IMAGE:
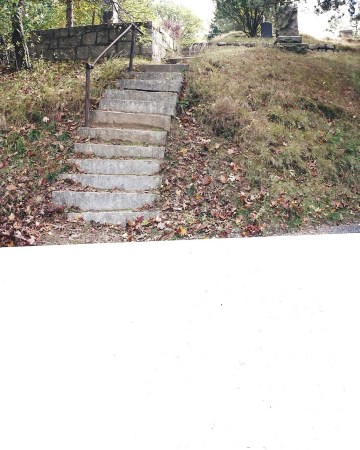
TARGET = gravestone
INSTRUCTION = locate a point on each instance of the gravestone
(287, 20)
(266, 30)
(287, 29)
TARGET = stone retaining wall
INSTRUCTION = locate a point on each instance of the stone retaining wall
(87, 42)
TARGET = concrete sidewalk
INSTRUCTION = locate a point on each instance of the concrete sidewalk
(218, 344)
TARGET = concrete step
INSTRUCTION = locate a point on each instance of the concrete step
(121, 182)
(103, 201)
(113, 217)
(124, 135)
(134, 106)
(141, 96)
(163, 67)
(159, 76)
(120, 151)
(180, 59)
(151, 85)
(122, 119)
(118, 166)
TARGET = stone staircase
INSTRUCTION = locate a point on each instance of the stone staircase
(119, 158)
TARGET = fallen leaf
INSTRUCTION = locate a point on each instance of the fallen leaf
(223, 179)
(181, 231)
(11, 187)
(206, 181)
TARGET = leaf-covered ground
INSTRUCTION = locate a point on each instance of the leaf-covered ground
(257, 149)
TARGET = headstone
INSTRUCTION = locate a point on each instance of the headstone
(266, 30)
(287, 20)
(287, 32)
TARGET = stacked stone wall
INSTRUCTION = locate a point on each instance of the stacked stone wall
(86, 43)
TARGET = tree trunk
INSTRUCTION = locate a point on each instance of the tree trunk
(22, 56)
(69, 13)
(110, 11)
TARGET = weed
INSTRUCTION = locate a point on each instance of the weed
(33, 135)
(63, 137)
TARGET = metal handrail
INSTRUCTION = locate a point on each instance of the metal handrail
(90, 66)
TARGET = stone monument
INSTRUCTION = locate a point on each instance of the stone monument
(266, 30)
(287, 30)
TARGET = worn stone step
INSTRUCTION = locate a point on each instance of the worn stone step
(121, 182)
(118, 166)
(103, 201)
(114, 118)
(124, 135)
(120, 151)
(159, 76)
(113, 217)
(134, 106)
(163, 67)
(180, 59)
(150, 85)
(141, 96)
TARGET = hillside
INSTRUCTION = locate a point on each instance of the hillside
(265, 143)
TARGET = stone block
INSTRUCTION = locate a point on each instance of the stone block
(136, 106)
(121, 119)
(119, 151)
(115, 32)
(98, 49)
(54, 44)
(132, 183)
(48, 54)
(296, 48)
(113, 217)
(65, 54)
(102, 38)
(62, 32)
(103, 201)
(124, 135)
(89, 38)
(82, 53)
(289, 40)
(70, 42)
(77, 31)
(118, 166)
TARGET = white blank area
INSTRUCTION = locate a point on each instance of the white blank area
(199, 345)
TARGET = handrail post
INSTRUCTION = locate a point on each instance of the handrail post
(89, 67)
(132, 49)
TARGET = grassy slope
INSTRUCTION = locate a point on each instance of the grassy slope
(293, 124)
(267, 142)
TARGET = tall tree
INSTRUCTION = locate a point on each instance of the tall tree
(247, 15)
(22, 56)
(69, 13)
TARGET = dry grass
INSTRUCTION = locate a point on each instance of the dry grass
(294, 121)
(52, 88)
